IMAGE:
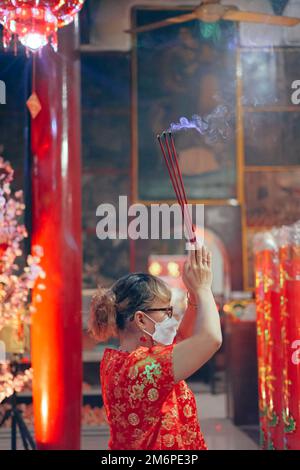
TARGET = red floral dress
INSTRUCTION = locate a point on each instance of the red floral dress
(145, 408)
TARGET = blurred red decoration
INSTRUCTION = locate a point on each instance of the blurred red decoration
(277, 268)
(34, 105)
(35, 22)
(3, 248)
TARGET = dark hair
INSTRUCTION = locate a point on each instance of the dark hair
(112, 308)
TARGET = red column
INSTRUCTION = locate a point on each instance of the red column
(269, 343)
(292, 418)
(56, 226)
(260, 262)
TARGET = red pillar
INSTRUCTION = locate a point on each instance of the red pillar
(56, 226)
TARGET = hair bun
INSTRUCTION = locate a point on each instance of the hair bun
(102, 323)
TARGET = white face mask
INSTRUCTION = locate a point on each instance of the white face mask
(165, 331)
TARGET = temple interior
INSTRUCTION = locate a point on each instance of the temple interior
(88, 101)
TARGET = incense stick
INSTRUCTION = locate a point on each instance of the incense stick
(170, 156)
(170, 173)
(180, 178)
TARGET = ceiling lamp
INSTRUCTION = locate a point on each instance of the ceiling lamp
(35, 22)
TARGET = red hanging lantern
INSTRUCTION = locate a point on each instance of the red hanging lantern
(35, 22)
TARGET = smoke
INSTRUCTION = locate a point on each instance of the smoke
(214, 126)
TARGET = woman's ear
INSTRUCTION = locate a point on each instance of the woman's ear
(139, 318)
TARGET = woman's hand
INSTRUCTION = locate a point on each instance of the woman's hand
(197, 272)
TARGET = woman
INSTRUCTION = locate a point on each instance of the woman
(148, 404)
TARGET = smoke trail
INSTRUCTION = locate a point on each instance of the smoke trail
(213, 126)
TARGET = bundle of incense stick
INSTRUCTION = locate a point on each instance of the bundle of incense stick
(167, 145)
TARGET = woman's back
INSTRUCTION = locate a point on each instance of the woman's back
(145, 408)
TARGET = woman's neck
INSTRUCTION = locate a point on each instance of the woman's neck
(131, 343)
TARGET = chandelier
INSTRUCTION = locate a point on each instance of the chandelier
(35, 22)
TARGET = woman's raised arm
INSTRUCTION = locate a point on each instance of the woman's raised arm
(190, 354)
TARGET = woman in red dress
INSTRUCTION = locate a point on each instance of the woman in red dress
(147, 401)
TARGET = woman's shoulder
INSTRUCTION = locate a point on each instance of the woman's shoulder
(160, 353)
(111, 360)
(110, 354)
(155, 351)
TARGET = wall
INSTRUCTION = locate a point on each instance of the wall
(112, 18)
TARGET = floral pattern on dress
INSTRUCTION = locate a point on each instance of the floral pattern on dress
(145, 408)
